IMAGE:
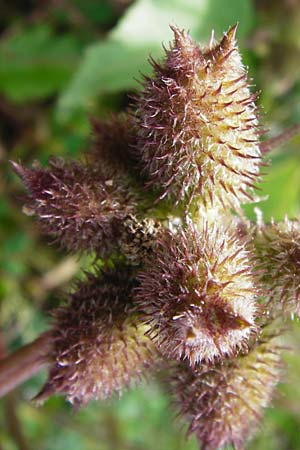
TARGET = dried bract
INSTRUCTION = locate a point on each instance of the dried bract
(138, 238)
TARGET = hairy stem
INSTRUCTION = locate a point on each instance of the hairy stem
(23, 364)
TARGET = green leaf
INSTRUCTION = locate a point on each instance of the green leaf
(281, 186)
(35, 64)
(95, 13)
(113, 64)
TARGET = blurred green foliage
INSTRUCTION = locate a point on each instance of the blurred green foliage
(60, 62)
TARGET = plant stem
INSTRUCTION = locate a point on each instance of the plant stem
(13, 424)
(23, 364)
(271, 143)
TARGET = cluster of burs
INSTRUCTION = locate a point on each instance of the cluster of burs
(182, 283)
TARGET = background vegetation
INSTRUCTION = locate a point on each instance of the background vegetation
(62, 61)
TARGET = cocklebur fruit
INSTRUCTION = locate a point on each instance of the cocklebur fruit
(98, 345)
(198, 294)
(196, 125)
(278, 251)
(112, 140)
(79, 206)
(224, 403)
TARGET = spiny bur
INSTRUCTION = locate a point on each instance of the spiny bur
(113, 140)
(197, 129)
(224, 403)
(98, 346)
(80, 207)
(278, 251)
(198, 294)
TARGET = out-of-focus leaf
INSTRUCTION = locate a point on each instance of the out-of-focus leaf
(153, 421)
(113, 64)
(95, 14)
(281, 186)
(34, 63)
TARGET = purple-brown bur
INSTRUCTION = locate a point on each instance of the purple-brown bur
(198, 294)
(80, 206)
(98, 344)
(197, 130)
(112, 142)
(224, 403)
(278, 251)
